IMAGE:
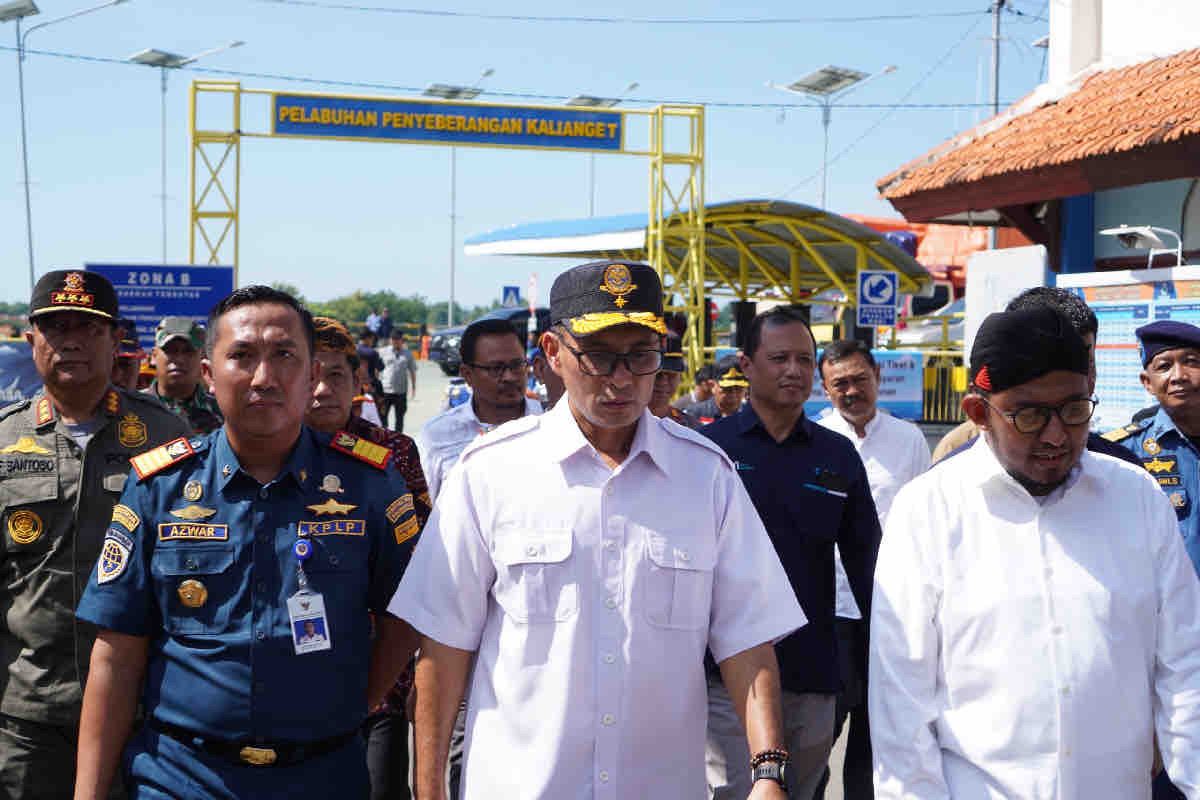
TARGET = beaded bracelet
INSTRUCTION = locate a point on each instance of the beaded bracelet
(780, 756)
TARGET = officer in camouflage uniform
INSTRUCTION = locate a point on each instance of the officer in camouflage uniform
(64, 456)
(178, 352)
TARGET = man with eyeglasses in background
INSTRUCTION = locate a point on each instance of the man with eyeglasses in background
(493, 365)
(1035, 620)
(583, 561)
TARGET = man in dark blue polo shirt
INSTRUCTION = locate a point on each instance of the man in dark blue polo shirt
(810, 488)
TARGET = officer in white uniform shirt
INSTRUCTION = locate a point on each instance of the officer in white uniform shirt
(584, 560)
(894, 452)
(494, 365)
(1035, 621)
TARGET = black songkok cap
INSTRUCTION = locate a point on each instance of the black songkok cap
(73, 290)
(1015, 347)
(1166, 334)
(592, 297)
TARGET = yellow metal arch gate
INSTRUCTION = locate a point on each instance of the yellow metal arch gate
(674, 145)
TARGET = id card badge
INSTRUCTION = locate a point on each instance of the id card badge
(310, 626)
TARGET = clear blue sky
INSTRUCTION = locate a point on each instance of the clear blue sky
(332, 217)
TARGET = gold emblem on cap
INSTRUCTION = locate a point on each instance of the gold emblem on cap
(24, 526)
(192, 593)
(331, 484)
(131, 431)
(618, 282)
(192, 491)
(1151, 446)
(73, 282)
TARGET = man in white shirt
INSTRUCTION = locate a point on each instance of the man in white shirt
(1036, 620)
(399, 379)
(584, 561)
(494, 366)
(894, 452)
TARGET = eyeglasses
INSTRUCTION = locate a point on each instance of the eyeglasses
(496, 371)
(1033, 419)
(602, 362)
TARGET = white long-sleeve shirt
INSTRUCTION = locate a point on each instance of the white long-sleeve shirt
(894, 452)
(1026, 649)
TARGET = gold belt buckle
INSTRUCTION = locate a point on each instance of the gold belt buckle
(257, 756)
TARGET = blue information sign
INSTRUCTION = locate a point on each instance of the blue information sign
(901, 386)
(146, 294)
(511, 296)
(336, 117)
(878, 293)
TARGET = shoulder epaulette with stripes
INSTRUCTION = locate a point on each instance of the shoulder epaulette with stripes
(374, 454)
(158, 459)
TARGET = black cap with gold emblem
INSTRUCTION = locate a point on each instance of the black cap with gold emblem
(599, 295)
(73, 290)
(672, 360)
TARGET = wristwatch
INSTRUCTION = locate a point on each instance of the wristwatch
(771, 771)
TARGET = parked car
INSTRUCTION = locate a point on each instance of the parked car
(443, 344)
(927, 330)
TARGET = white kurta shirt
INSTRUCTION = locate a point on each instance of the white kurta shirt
(443, 438)
(894, 452)
(590, 595)
(1032, 650)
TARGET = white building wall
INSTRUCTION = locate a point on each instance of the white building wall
(1116, 32)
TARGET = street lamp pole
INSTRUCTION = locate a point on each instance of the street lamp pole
(452, 92)
(591, 101)
(165, 61)
(828, 85)
(17, 11)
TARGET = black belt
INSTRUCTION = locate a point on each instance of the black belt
(257, 754)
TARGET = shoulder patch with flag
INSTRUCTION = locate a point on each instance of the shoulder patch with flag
(376, 455)
(158, 459)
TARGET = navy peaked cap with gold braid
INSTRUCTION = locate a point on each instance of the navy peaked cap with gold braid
(591, 297)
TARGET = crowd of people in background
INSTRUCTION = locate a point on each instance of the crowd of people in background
(576, 581)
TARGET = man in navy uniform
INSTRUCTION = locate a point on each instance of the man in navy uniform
(1166, 442)
(220, 548)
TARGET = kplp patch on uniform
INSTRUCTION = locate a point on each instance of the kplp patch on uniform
(114, 556)
(170, 531)
(333, 527)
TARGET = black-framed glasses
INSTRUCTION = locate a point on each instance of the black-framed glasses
(1033, 419)
(603, 362)
(517, 366)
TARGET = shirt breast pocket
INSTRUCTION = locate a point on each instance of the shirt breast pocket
(197, 589)
(30, 514)
(677, 581)
(535, 574)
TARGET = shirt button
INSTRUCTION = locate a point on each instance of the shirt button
(1057, 630)
(610, 545)
(261, 635)
(683, 556)
(190, 563)
(609, 491)
(609, 658)
(532, 550)
(263, 493)
(1066, 691)
(604, 776)
(262, 586)
(608, 719)
(610, 602)
(333, 561)
(1049, 571)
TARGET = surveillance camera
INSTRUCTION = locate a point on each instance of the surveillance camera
(1128, 240)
